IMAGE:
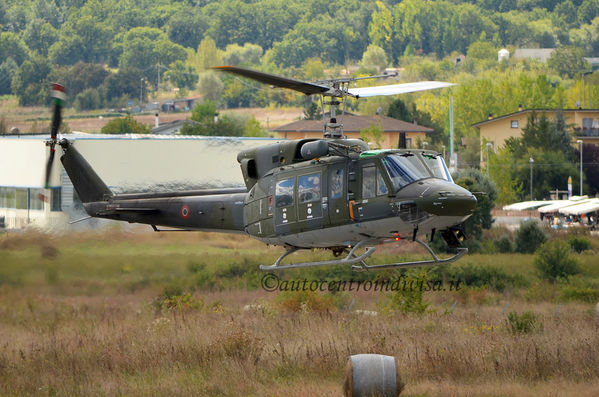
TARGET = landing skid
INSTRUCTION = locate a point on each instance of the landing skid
(352, 258)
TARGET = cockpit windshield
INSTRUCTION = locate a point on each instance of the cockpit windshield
(404, 169)
(436, 164)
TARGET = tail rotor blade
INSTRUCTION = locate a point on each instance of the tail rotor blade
(58, 93)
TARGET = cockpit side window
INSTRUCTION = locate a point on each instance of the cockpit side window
(437, 166)
(404, 169)
(284, 193)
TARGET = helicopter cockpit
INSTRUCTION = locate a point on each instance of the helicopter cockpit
(405, 168)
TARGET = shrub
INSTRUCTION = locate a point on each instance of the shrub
(525, 323)
(571, 293)
(410, 297)
(125, 125)
(503, 244)
(579, 244)
(305, 301)
(173, 298)
(529, 237)
(486, 276)
(554, 260)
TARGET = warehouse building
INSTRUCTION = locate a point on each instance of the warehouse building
(126, 163)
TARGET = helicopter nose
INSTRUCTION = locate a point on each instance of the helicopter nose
(447, 199)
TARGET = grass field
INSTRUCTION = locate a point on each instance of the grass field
(140, 313)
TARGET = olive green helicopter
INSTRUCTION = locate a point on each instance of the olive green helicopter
(332, 193)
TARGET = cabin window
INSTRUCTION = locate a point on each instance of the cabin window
(308, 188)
(368, 181)
(284, 193)
(336, 184)
(514, 123)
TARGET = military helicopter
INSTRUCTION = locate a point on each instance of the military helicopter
(331, 193)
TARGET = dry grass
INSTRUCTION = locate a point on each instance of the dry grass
(59, 338)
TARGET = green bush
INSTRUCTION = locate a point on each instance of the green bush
(525, 323)
(554, 260)
(579, 244)
(529, 237)
(125, 125)
(486, 276)
(571, 293)
(410, 297)
(503, 244)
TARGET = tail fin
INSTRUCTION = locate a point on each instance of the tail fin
(87, 183)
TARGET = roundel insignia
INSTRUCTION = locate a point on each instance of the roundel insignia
(185, 212)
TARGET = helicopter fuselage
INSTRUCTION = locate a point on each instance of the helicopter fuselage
(333, 201)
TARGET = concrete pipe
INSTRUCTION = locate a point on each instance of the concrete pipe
(370, 375)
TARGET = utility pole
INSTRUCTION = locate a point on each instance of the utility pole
(451, 164)
(489, 144)
(579, 141)
(531, 161)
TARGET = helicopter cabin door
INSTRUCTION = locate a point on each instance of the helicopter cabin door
(285, 208)
(374, 202)
(337, 199)
(310, 200)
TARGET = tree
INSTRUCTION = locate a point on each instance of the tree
(124, 83)
(146, 47)
(568, 61)
(249, 54)
(82, 39)
(182, 75)
(380, 29)
(253, 128)
(187, 28)
(475, 181)
(87, 99)
(11, 46)
(204, 112)
(554, 261)
(375, 56)
(373, 135)
(40, 36)
(207, 55)
(30, 81)
(210, 85)
(125, 125)
(8, 68)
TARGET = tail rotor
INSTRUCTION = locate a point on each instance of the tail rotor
(59, 96)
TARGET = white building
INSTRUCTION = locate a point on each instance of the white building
(126, 163)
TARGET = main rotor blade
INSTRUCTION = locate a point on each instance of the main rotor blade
(276, 80)
(397, 88)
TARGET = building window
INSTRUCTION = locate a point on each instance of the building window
(22, 199)
(408, 143)
(56, 199)
(514, 123)
(7, 197)
(36, 199)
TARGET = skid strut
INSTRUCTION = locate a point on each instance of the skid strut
(352, 259)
